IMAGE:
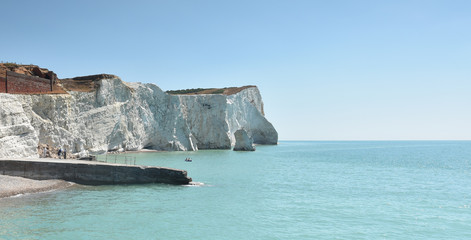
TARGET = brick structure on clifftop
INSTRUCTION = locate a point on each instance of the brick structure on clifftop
(20, 83)
(27, 79)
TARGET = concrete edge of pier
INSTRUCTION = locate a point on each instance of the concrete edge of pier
(91, 172)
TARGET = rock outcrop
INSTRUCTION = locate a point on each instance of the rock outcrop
(17, 137)
(243, 142)
(119, 116)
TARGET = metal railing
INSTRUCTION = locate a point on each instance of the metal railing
(127, 160)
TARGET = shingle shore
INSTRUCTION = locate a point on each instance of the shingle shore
(11, 186)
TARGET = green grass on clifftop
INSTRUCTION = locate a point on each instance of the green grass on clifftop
(194, 91)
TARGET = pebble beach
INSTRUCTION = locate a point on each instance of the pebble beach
(12, 186)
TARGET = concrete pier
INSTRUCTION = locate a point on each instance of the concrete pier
(90, 173)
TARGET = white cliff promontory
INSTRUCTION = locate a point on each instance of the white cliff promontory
(130, 116)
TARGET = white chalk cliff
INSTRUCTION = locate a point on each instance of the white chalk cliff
(17, 136)
(129, 116)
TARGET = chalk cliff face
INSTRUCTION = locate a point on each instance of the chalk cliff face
(17, 136)
(132, 116)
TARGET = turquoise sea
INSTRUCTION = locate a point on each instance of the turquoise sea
(295, 190)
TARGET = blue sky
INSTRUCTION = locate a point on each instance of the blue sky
(327, 70)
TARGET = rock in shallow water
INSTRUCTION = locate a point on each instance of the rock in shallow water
(243, 142)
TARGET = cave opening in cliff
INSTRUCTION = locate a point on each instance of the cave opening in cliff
(149, 146)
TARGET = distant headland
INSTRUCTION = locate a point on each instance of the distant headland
(101, 113)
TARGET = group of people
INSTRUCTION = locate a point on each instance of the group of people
(62, 152)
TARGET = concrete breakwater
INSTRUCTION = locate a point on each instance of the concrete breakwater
(91, 173)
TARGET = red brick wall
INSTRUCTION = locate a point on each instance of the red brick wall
(19, 83)
(2, 85)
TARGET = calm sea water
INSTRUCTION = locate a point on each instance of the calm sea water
(296, 190)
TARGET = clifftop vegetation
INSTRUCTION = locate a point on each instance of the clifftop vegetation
(89, 83)
(30, 70)
(196, 91)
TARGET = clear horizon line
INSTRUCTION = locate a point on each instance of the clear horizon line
(364, 140)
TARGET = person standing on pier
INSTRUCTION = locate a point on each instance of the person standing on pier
(65, 153)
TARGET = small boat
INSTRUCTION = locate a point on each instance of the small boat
(188, 160)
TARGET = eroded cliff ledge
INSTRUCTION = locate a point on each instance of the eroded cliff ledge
(111, 115)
